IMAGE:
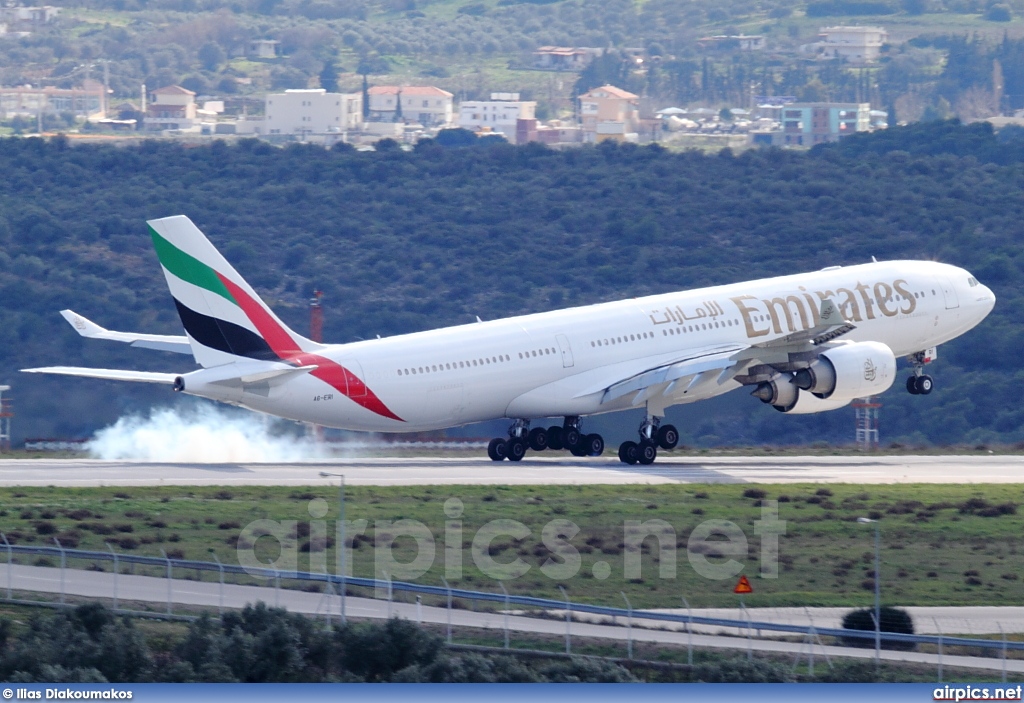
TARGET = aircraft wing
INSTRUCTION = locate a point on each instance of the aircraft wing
(722, 362)
(162, 342)
(831, 325)
(714, 366)
(109, 374)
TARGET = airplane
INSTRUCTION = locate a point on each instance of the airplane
(804, 343)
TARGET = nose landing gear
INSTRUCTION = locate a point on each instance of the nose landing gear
(921, 383)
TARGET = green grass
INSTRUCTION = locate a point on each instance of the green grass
(933, 551)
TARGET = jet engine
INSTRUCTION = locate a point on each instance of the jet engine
(848, 371)
(808, 404)
(780, 392)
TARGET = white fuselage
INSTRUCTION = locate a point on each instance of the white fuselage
(559, 363)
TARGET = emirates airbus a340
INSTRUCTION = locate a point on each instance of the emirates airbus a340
(804, 343)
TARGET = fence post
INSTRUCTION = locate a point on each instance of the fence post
(63, 564)
(277, 588)
(568, 620)
(220, 602)
(750, 627)
(629, 626)
(169, 584)
(10, 567)
(503, 590)
(116, 569)
(419, 609)
(449, 610)
(689, 632)
(1002, 633)
(939, 630)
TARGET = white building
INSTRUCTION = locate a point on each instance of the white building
(312, 111)
(427, 105)
(856, 44)
(499, 114)
(171, 107)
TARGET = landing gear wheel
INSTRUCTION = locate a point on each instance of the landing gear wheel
(497, 449)
(571, 439)
(912, 385)
(516, 449)
(668, 437)
(925, 384)
(556, 439)
(646, 453)
(628, 453)
(594, 445)
(538, 439)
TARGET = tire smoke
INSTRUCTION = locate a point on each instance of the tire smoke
(201, 434)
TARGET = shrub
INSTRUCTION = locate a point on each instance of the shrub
(892, 619)
(739, 670)
(755, 493)
(45, 527)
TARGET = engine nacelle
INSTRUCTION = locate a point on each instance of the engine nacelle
(849, 371)
(808, 404)
(780, 392)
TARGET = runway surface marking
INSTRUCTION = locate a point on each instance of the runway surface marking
(535, 470)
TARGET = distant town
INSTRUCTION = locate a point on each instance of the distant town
(407, 113)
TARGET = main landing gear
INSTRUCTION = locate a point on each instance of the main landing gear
(652, 435)
(920, 383)
(521, 438)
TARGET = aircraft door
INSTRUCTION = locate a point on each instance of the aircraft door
(949, 293)
(563, 345)
(354, 378)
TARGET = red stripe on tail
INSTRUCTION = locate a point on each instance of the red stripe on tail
(282, 343)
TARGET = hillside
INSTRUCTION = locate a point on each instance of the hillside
(404, 241)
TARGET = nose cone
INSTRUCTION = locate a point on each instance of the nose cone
(985, 300)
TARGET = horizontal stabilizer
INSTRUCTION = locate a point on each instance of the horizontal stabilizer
(162, 342)
(278, 374)
(108, 374)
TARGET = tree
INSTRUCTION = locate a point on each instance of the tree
(211, 56)
(329, 77)
(366, 98)
(398, 106)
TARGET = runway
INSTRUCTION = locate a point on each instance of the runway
(539, 470)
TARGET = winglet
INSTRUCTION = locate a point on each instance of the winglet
(831, 323)
(830, 314)
(84, 327)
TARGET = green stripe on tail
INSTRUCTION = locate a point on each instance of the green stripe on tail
(188, 268)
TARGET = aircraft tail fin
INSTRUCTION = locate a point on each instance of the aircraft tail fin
(224, 318)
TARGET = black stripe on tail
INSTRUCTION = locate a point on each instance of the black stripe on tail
(223, 335)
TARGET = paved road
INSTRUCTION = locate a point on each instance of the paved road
(195, 593)
(964, 621)
(543, 469)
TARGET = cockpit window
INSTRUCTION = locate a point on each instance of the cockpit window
(972, 281)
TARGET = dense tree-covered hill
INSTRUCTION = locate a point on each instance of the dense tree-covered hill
(403, 241)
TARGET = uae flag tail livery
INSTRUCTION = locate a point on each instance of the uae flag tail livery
(224, 318)
(246, 352)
